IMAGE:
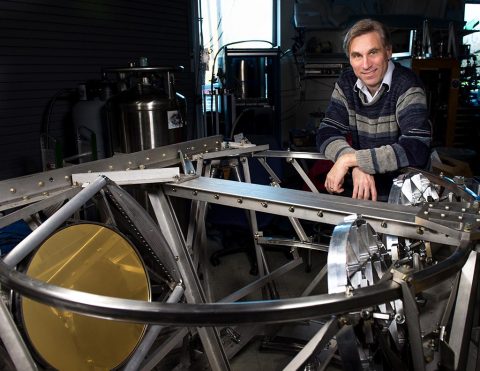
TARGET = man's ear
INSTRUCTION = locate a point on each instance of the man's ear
(389, 52)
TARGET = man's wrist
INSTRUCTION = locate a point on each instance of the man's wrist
(348, 160)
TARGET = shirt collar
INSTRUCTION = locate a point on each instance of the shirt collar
(387, 80)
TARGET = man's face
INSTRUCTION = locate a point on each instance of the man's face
(369, 59)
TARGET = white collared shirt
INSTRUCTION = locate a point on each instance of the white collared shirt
(387, 80)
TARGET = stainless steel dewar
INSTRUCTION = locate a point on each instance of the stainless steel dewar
(149, 113)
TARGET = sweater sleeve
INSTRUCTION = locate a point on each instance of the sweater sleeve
(331, 134)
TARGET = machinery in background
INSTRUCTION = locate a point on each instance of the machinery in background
(130, 109)
(148, 112)
(245, 94)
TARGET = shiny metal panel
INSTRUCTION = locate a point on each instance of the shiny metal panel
(385, 218)
(89, 258)
(25, 190)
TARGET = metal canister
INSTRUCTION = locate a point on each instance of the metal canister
(149, 114)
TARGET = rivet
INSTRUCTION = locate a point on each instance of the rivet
(264, 204)
(40, 184)
(174, 190)
(291, 209)
(442, 215)
(383, 224)
(147, 158)
(460, 217)
(195, 193)
(141, 167)
(239, 200)
(419, 230)
(110, 167)
(216, 197)
(13, 190)
(447, 207)
(320, 213)
(425, 212)
(463, 210)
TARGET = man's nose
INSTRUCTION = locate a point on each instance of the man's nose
(366, 62)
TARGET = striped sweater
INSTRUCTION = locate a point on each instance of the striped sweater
(387, 134)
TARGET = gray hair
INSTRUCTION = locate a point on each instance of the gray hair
(363, 27)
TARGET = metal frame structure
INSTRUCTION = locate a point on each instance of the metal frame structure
(454, 224)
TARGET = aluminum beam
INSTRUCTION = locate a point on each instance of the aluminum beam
(399, 220)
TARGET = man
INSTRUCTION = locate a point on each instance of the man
(376, 122)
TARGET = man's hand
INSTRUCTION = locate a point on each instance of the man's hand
(336, 175)
(363, 185)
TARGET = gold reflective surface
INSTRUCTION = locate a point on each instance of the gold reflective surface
(95, 259)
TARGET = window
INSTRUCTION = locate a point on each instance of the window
(472, 23)
(236, 23)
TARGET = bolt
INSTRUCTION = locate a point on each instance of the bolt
(447, 207)
(442, 215)
(195, 193)
(419, 230)
(383, 224)
(110, 167)
(67, 177)
(463, 210)
(141, 167)
(264, 204)
(13, 190)
(40, 184)
(425, 212)
(45, 193)
(177, 258)
(320, 213)
(216, 196)
(291, 209)
(400, 318)
(460, 217)
(468, 227)
(147, 158)
(239, 201)
(174, 190)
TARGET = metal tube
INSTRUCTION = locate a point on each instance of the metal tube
(51, 224)
(13, 342)
(152, 333)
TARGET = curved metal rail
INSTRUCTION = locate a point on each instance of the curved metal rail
(273, 311)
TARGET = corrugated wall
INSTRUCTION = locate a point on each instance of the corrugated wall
(48, 47)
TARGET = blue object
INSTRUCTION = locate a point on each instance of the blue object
(12, 234)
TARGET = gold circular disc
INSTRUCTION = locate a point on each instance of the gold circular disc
(95, 259)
